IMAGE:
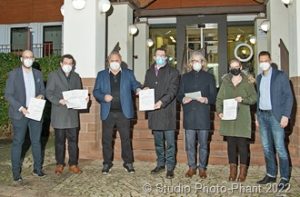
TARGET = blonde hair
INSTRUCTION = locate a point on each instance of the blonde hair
(189, 66)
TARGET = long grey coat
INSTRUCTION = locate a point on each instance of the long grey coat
(165, 85)
(61, 116)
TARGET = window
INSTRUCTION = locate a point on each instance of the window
(52, 43)
(20, 40)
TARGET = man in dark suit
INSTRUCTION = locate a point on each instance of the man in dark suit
(64, 120)
(164, 79)
(196, 112)
(23, 84)
(113, 90)
(274, 106)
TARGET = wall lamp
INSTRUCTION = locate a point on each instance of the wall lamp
(265, 26)
(62, 10)
(287, 2)
(132, 29)
(104, 5)
(78, 4)
(149, 42)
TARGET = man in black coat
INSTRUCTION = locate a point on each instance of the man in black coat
(162, 121)
(196, 112)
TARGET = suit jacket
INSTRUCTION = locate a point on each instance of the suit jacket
(281, 94)
(15, 92)
(165, 84)
(196, 114)
(61, 116)
(102, 87)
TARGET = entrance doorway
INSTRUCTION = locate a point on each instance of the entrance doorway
(207, 34)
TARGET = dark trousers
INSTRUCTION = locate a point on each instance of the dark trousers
(238, 147)
(20, 128)
(60, 145)
(123, 126)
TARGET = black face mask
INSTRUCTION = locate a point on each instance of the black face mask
(235, 71)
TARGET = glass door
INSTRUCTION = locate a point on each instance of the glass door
(207, 34)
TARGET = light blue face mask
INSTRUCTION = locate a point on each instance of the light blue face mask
(160, 61)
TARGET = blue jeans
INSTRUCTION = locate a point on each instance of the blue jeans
(271, 135)
(191, 146)
(165, 156)
(20, 128)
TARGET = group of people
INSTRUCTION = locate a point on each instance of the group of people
(113, 90)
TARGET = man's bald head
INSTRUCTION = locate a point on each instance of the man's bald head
(27, 54)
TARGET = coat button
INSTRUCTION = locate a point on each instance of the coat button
(156, 82)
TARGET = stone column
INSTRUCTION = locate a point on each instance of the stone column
(84, 37)
(141, 51)
(118, 22)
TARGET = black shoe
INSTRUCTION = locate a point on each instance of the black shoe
(267, 179)
(39, 174)
(106, 168)
(282, 185)
(129, 167)
(158, 169)
(170, 174)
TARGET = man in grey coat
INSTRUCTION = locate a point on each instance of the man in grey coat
(162, 121)
(24, 83)
(64, 121)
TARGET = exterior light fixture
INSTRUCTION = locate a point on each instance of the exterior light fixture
(104, 5)
(287, 2)
(62, 10)
(265, 25)
(132, 29)
(78, 4)
(149, 42)
(252, 39)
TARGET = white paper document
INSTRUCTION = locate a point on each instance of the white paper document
(193, 95)
(76, 99)
(229, 109)
(36, 108)
(146, 100)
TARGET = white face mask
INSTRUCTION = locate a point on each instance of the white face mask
(197, 66)
(114, 65)
(27, 62)
(67, 68)
(264, 65)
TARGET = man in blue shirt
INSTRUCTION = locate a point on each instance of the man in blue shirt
(274, 106)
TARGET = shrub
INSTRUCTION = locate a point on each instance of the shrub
(8, 62)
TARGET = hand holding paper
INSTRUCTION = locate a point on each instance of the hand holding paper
(146, 100)
(35, 109)
(76, 99)
(229, 109)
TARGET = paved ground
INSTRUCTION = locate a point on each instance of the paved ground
(91, 183)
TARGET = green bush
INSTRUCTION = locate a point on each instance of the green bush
(8, 62)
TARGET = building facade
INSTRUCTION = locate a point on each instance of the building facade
(221, 29)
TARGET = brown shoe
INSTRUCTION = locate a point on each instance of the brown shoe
(191, 172)
(243, 173)
(75, 169)
(59, 169)
(233, 172)
(202, 173)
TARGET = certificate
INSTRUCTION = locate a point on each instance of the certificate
(76, 99)
(229, 109)
(35, 109)
(146, 101)
(193, 95)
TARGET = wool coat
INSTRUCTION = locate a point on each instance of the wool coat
(165, 86)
